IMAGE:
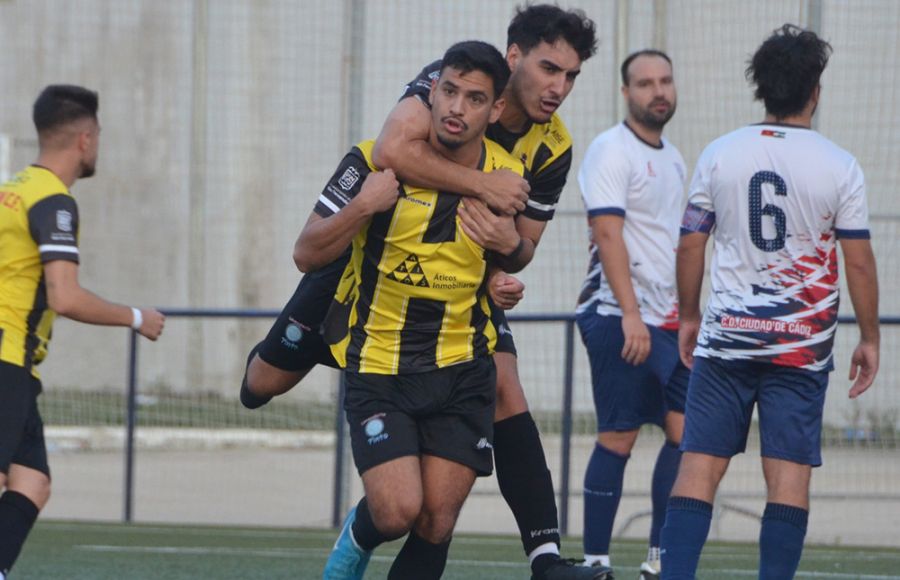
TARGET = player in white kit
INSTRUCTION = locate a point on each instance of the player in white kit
(776, 197)
(632, 182)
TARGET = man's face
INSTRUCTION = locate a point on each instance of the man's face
(462, 106)
(650, 91)
(89, 141)
(543, 78)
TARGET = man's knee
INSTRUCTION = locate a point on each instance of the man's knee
(436, 527)
(31, 483)
(621, 442)
(395, 516)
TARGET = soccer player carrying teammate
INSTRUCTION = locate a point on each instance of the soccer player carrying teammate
(776, 197)
(38, 280)
(414, 328)
(545, 49)
(632, 181)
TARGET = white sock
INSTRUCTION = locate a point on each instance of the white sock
(548, 548)
(653, 554)
(591, 559)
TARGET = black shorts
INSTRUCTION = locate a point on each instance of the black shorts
(448, 413)
(294, 342)
(21, 427)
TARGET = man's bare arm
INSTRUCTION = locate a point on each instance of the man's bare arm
(66, 297)
(607, 231)
(324, 239)
(689, 264)
(403, 146)
(862, 282)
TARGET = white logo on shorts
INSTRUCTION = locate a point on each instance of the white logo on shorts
(483, 443)
(374, 428)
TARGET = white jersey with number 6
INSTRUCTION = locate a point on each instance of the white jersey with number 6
(777, 198)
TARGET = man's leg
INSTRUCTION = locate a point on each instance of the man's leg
(664, 473)
(445, 484)
(603, 490)
(689, 513)
(388, 511)
(523, 476)
(294, 345)
(791, 403)
(27, 492)
(785, 518)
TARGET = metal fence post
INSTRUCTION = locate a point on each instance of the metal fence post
(566, 434)
(130, 415)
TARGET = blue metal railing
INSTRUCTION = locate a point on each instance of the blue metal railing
(568, 319)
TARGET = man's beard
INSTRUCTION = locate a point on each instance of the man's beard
(87, 170)
(649, 119)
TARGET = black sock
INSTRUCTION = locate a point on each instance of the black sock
(419, 559)
(525, 481)
(367, 536)
(248, 399)
(17, 515)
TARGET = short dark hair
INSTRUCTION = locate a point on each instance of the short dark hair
(548, 23)
(786, 69)
(472, 55)
(59, 105)
(645, 52)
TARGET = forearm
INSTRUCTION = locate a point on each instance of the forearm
(615, 261)
(82, 305)
(323, 240)
(422, 166)
(689, 265)
(862, 283)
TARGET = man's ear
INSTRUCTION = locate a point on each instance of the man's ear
(497, 110)
(513, 54)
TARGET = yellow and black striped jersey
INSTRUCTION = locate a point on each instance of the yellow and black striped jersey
(545, 149)
(38, 224)
(414, 293)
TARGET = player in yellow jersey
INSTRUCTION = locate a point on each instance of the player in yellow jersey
(38, 280)
(546, 47)
(417, 337)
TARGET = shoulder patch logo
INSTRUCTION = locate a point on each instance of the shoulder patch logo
(349, 178)
(64, 220)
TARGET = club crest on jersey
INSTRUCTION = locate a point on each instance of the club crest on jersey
(64, 220)
(349, 178)
(650, 171)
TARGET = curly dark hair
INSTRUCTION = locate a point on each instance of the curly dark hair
(533, 24)
(786, 69)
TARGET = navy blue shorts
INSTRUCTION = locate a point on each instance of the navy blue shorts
(628, 396)
(720, 402)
